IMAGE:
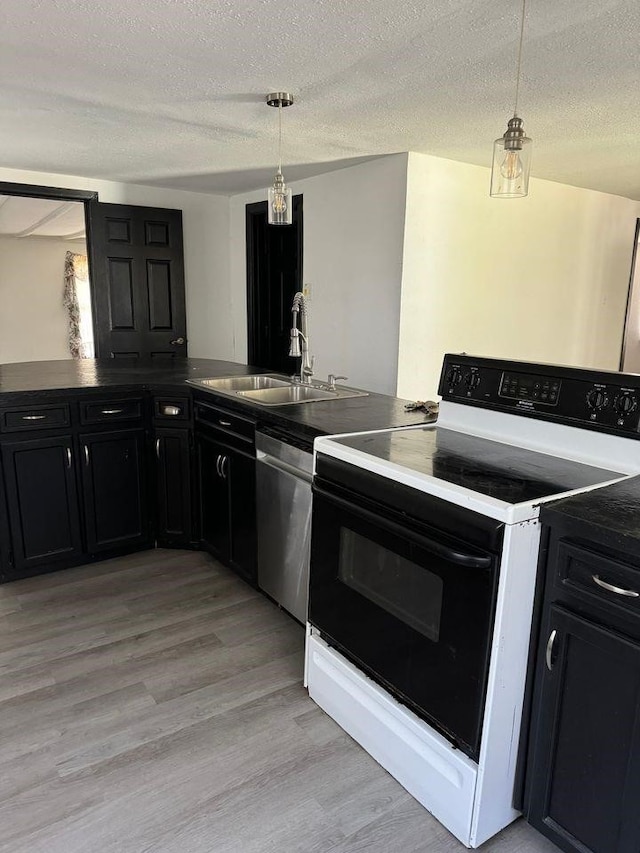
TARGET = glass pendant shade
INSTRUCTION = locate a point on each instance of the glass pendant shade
(280, 207)
(279, 204)
(511, 163)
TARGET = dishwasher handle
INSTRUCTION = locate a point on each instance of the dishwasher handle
(279, 465)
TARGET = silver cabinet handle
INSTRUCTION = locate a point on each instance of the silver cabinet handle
(33, 417)
(218, 459)
(112, 411)
(86, 454)
(223, 466)
(171, 410)
(158, 448)
(549, 651)
(68, 449)
(225, 423)
(630, 593)
(177, 342)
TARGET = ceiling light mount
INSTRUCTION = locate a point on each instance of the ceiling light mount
(280, 208)
(280, 99)
(512, 151)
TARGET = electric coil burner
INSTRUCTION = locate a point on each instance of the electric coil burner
(424, 553)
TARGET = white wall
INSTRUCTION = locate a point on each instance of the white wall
(353, 234)
(206, 247)
(631, 363)
(543, 278)
(33, 321)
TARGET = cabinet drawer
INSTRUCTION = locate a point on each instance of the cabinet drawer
(599, 580)
(110, 410)
(232, 424)
(40, 417)
(173, 409)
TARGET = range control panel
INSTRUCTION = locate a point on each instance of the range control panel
(592, 399)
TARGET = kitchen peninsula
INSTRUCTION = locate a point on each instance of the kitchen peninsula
(98, 456)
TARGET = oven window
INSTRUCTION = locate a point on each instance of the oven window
(406, 590)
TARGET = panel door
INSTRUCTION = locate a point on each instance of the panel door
(241, 472)
(42, 502)
(137, 274)
(173, 462)
(113, 480)
(213, 489)
(585, 773)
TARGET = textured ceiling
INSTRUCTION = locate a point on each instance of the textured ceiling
(22, 217)
(171, 92)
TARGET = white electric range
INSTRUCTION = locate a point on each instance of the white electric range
(424, 562)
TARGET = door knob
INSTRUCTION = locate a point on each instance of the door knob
(176, 342)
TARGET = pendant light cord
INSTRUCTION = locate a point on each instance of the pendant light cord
(280, 138)
(515, 109)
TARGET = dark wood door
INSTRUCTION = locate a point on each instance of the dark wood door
(114, 489)
(173, 463)
(137, 279)
(213, 489)
(274, 275)
(241, 473)
(585, 773)
(42, 501)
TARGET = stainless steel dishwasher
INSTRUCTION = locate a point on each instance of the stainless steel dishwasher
(283, 480)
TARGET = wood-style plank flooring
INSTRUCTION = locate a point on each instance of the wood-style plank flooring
(154, 704)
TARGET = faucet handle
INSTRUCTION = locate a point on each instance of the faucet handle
(307, 370)
(332, 378)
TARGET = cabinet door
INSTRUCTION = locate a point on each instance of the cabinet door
(42, 502)
(213, 489)
(585, 774)
(113, 479)
(241, 472)
(173, 464)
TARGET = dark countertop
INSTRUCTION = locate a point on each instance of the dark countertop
(112, 374)
(610, 516)
(70, 377)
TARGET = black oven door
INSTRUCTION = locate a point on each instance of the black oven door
(410, 605)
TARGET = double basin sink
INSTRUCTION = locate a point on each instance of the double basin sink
(273, 389)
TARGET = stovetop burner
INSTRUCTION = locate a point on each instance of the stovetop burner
(501, 471)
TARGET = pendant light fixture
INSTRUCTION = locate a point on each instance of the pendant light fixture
(512, 151)
(280, 209)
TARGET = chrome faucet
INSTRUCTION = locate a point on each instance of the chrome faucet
(296, 349)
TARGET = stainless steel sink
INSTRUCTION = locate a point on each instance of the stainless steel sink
(245, 383)
(290, 394)
(274, 389)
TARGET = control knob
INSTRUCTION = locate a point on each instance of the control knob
(625, 403)
(454, 377)
(472, 380)
(597, 399)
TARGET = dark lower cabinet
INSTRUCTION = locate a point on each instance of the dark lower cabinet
(213, 487)
(241, 471)
(226, 485)
(114, 489)
(173, 467)
(42, 502)
(108, 476)
(584, 767)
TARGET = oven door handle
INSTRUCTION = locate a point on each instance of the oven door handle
(451, 555)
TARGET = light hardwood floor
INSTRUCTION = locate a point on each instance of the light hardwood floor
(153, 704)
